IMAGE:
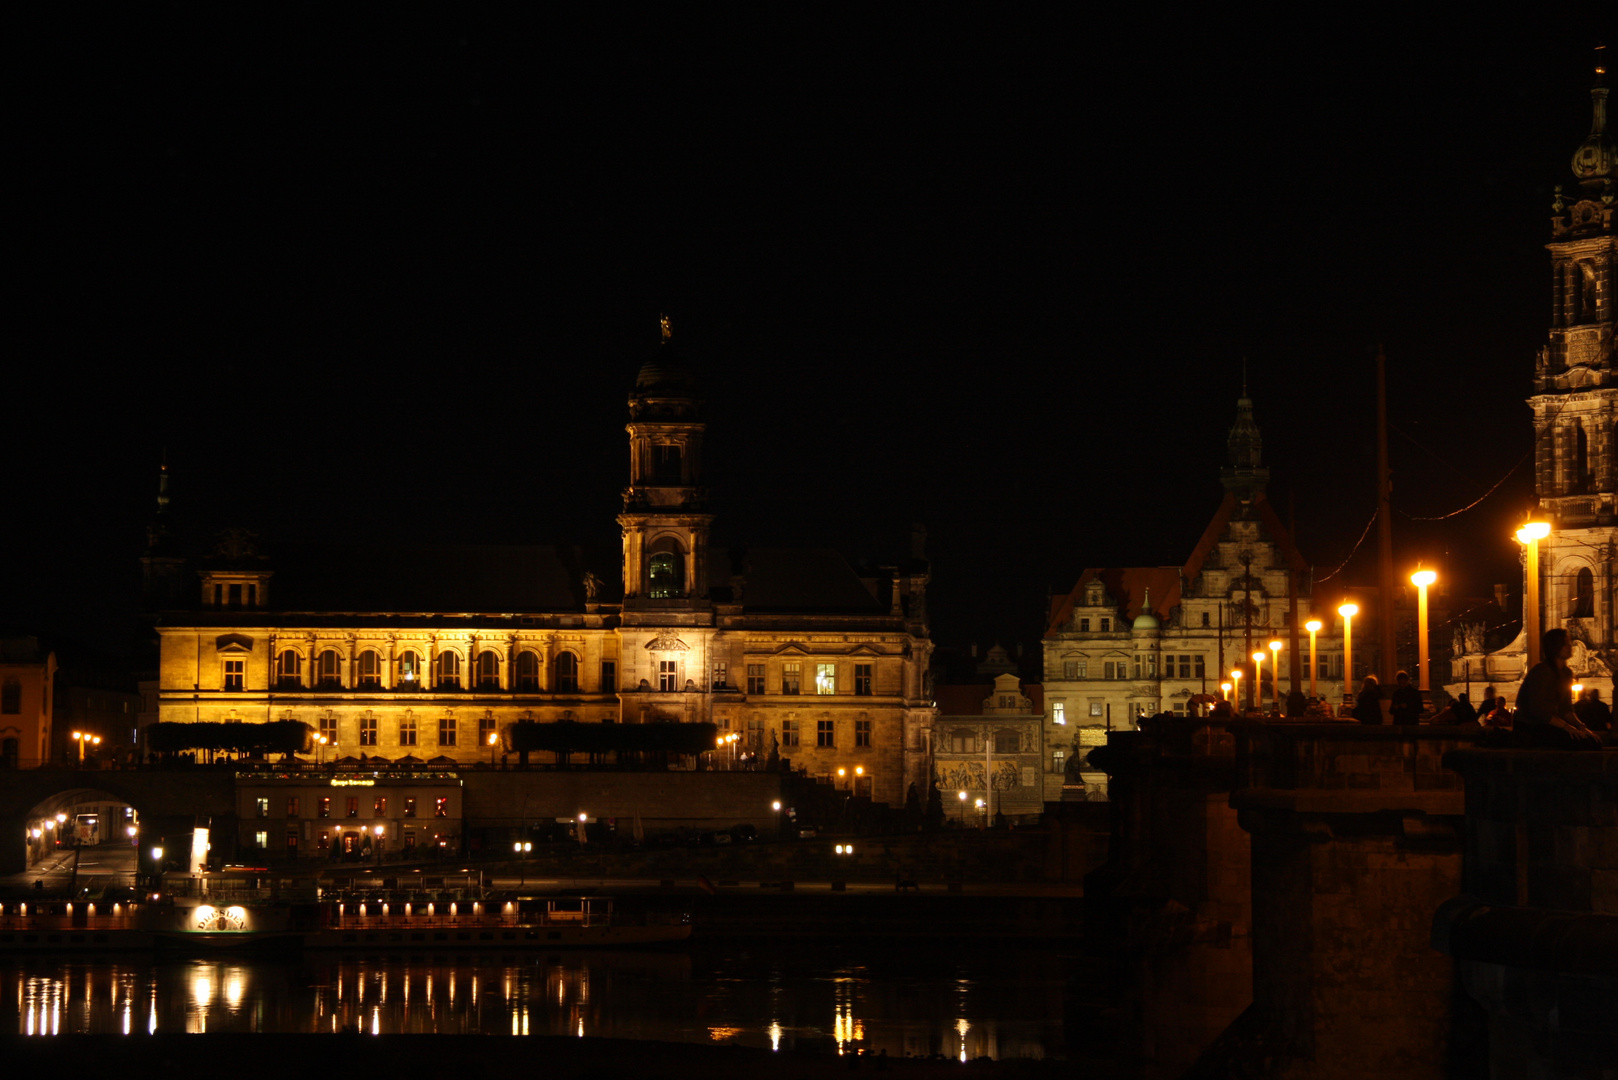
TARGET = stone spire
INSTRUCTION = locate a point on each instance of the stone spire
(1595, 162)
(1245, 473)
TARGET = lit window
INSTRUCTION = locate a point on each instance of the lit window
(666, 573)
(381, 807)
(367, 731)
(409, 667)
(261, 839)
(1058, 761)
(407, 729)
(324, 806)
(1095, 707)
(791, 678)
(567, 673)
(825, 678)
(755, 678)
(410, 807)
(862, 733)
(864, 679)
(235, 674)
(262, 806)
(668, 675)
(1059, 711)
(353, 806)
(825, 734)
(446, 731)
(721, 673)
(527, 671)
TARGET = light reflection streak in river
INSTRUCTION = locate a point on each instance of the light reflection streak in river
(999, 1003)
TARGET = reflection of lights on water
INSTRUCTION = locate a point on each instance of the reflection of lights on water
(720, 1034)
(775, 1035)
(202, 991)
(581, 1027)
(233, 989)
(963, 1027)
(151, 1019)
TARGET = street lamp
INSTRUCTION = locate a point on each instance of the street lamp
(83, 737)
(1256, 692)
(1236, 687)
(1348, 611)
(1313, 626)
(1275, 674)
(1224, 690)
(494, 740)
(1529, 537)
(1421, 579)
(983, 822)
(962, 796)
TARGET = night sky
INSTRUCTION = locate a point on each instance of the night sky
(394, 282)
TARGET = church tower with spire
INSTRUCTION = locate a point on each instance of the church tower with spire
(665, 519)
(1575, 402)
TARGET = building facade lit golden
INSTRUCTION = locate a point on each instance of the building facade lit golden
(430, 654)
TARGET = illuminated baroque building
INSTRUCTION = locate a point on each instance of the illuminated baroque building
(431, 653)
(1575, 416)
(1133, 641)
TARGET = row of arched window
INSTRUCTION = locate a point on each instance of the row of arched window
(445, 671)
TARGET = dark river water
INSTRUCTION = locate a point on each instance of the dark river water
(920, 997)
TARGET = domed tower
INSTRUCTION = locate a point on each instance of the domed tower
(664, 520)
(1575, 400)
(1246, 475)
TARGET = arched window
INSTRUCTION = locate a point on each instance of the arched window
(288, 667)
(449, 670)
(409, 669)
(329, 669)
(665, 570)
(567, 673)
(527, 671)
(488, 670)
(370, 669)
(1584, 595)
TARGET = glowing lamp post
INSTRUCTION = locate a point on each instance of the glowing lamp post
(1313, 626)
(962, 796)
(1224, 690)
(494, 740)
(1529, 537)
(1236, 687)
(1256, 691)
(1348, 611)
(1275, 674)
(83, 737)
(1421, 579)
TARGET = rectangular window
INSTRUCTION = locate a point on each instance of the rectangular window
(322, 841)
(441, 807)
(410, 806)
(862, 734)
(755, 732)
(668, 674)
(1070, 669)
(325, 806)
(1084, 626)
(1084, 669)
(353, 806)
(487, 735)
(1059, 711)
(1205, 619)
(328, 728)
(1095, 707)
(721, 673)
(407, 730)
(825, 678)
(235, 675)
(1007, 743)
(292, 806)
(789, 732)
(1106, 626)
(446, 731)
(825, 734)
(292, 842)
(370, 669)
(791, 675)
(367, 731)
(1058, 761)
(261, 839)
(262, 806)
(381, 807)
(864, 679)
(1200, 666)
(609, 676)
(755, 678)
